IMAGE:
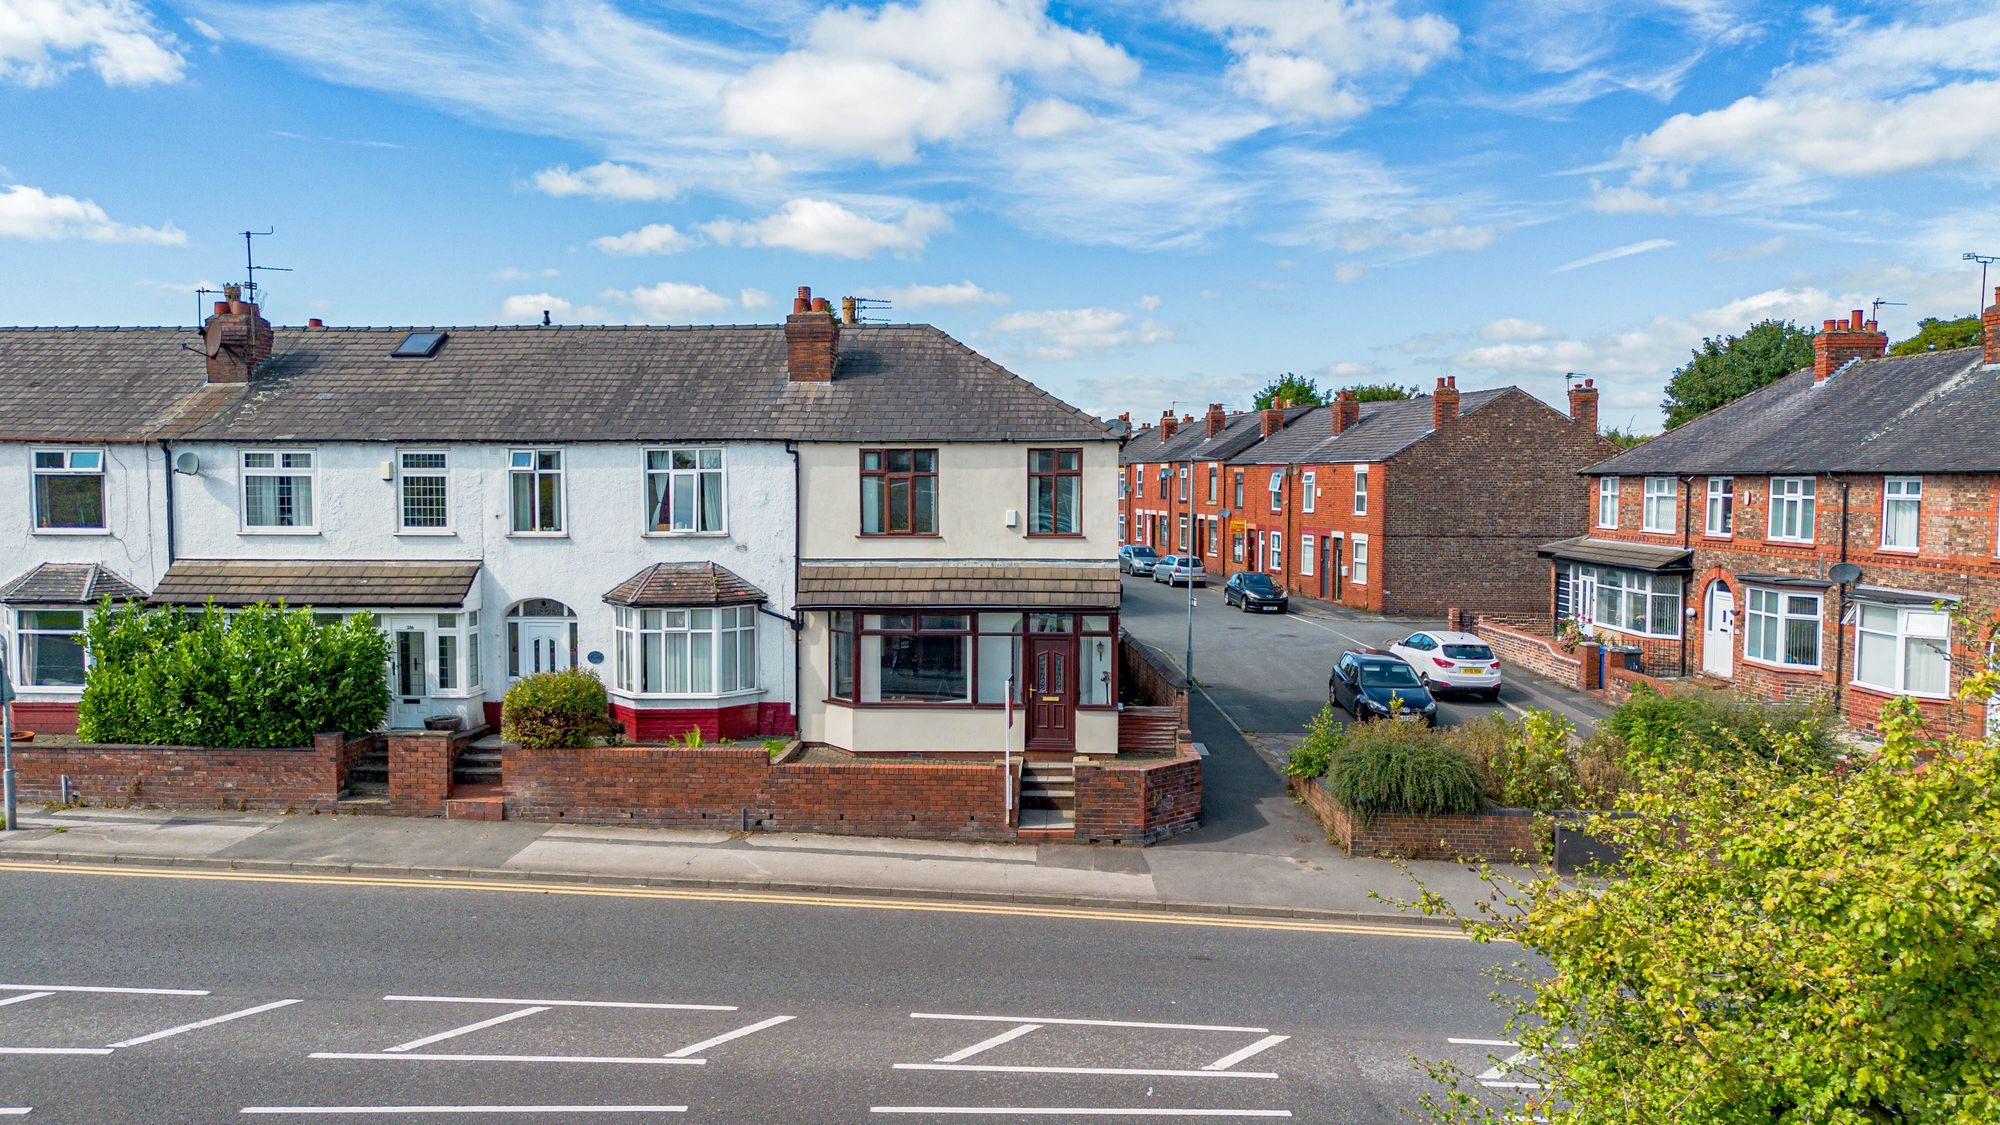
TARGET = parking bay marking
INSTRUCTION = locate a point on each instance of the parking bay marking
(209, 1022)
(1495, 1077)
(681, 1057)
(1025, 1024)
(27, 992)
(1066, 1111)
(426, 1110)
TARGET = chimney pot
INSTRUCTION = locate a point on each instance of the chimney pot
(803, 302)
(221, 307)
(812, 340)
(1854, 320)
(849, 310)
(315, 322)
(232, 293)
(1843, 340)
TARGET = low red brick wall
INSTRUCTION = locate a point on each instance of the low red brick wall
(420, 764)
(738, 788)
(1138, 802)
(1526, 650)
(1496, 835)
(1618, 684)
(184, 777)
(1152, 675)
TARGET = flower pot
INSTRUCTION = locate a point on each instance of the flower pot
(442, 722)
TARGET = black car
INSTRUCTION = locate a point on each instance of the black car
(1375, 685)
(1254, 591)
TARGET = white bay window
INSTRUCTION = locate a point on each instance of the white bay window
(686, 651)
(1903, 650)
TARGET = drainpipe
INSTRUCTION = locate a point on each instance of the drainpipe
(167, 456)
(1840, 613)
(1687, 544)
(798, 545)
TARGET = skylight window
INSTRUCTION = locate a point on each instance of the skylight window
(419, 345)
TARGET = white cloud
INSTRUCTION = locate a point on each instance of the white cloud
(204, 29)
(1310, 58)
(1347, 273)
(653, 238)
(1430, 240)
(512, 273)
(1616, 253)
(820, 226)
(606, 180)
(1051, 117)
(936, 296)
(1149, 302)
(1627, 201)
(1347, 371)
(527, 308)
(31, 213)
(1057, 334)
(1775, 245)
(753, 298)
(1514, 328)
(43, 40)
(672, 302)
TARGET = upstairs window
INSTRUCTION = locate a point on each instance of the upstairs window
(1792, 514)
(1662, 493)
(1721, 507)
(1185, 470)
(899, 492)
(1139, 481)
(278, 489)
(1607, 503)
(1213, 473)
(69, 489)
(684, 490)
(1055, 491)
(1308, 489)
(535, 478)
(422, 480)
(1238, 500)
(1277, 490)
(1360, 490)
(1902, 501)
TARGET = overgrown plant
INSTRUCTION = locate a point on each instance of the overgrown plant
(1392, 767)
(556, 710)
(1309, 759)
(1712, 729)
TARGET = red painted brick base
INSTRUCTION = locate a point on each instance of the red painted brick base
(662, 724)
(45, 718)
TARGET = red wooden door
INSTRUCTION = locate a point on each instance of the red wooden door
(1051, 664)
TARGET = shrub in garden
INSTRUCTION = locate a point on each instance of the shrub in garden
(1310, 758)
(264, 676)
(1401, 768)
(1709, 729)
(555, 710)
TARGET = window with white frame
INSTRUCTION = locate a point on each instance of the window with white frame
(1607, 502)
(422, 480)
(1121, 527)
(1792, 514)
(1721, 510)
(1661, 495)
(1904, 650)
(69, 489)
(663, 652)
(1634, 601)
(1357, 563)
(535, 484)
(1277, 490)
(1308, 486)
(1902, 503)
(1213, 474)
(1122, 488)
(1185, 470)
(1782, 627)
(1360, 490)
(52, 653)
(458, 653)
(278, 489)
(1183, 541)
(684, 490)
(1139, 481)
(1277, 545)
(1306, 555)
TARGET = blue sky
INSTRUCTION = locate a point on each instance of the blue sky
(1135, 205)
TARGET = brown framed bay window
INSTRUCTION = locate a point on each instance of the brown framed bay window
(899, 492)
(959, 659)
(1055, 491)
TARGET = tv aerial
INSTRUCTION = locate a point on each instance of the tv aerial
(250, 266)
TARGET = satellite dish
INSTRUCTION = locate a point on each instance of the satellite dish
(1843, 573)
(187, 463)
(212, 342)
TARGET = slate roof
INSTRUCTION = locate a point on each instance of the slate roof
(933, 586)
(68, 584)
(1384, 430)
(1617, 552)
(1929, 413)
(374, 585)
(901, 382)
(1192, 443)
(681, 584)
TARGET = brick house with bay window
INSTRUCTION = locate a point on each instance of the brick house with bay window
(1835, 534)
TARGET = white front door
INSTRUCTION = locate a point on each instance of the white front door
(1583, 607)
(1718, 636)
(544, 645)
(409, 685)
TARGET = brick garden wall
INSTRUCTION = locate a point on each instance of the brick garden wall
(1526, 650)
(1137, 802)
(1496, 835)
(1149, 730)
(1149, 674)
(184, 777)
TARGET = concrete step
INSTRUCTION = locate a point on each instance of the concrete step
(481, 757)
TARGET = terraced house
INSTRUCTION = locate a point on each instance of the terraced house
(870, 534)
(1835, 534)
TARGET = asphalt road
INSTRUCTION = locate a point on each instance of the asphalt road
(1268, 672)
(312, 1000)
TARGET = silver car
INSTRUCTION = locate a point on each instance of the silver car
(1177, 569)
(1137, 559)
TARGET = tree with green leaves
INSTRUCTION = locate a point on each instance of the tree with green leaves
(1627, 439)
(1378, 392)
(1298, 390)
(1725, 369)
(1939, 335)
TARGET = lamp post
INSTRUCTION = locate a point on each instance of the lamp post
(7, 743)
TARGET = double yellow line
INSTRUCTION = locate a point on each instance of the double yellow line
(765, 898)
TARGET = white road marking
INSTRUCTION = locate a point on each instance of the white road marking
(565, 1003)
(752, 1029)
(93, 988)
(24, 998)
(1087, 1070)
(210, 1022)
(379, 1056)
(468, 1029)
(1054, 1111)
(55, 1050)
(1484, 1042)
(1234, 1057)
(406, 1110)
(16, 1110)
(1007, 1036)
(1092, 1023)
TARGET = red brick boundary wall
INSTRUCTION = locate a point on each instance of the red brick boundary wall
(420, 765)
(1526, 650)
(1149, 730)
(1152, 675)
(1137, 802)
(1495, 835)
(185, 777)
(738, 789)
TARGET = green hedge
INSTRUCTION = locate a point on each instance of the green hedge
(1393, 767)
(265, 676)
(556, 710)
(1707, 729)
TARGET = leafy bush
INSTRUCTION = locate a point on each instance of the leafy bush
(265, 676)
(1705, 729)
(1538, 763)
(555, 710)
(1401, 768)
(1309, 759)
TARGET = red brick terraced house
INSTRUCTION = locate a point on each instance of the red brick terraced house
(1175, 481)
(1835, 534)
(1413, 506)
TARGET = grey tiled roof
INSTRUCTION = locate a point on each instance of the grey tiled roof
(68, 584)
(1902, 414)
(1617, 552)
(675, 584)
(503, 384)
(960, 586)
(1192, 443)
(377, 585)
(1385, 429)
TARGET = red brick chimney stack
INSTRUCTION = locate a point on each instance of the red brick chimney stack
(1444, 402)
(1216, 419)
(236, 337)
(812, 339)
(1168, 424)
(1989, 321)
(1839, 341)
(1346, 412)
(1271, 419)
(1583, 403)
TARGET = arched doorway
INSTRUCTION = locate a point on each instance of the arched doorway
(541, 637)
(1718, 631)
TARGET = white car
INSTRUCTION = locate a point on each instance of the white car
(1177, 569)
(1444, 659)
